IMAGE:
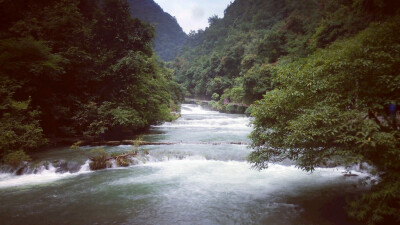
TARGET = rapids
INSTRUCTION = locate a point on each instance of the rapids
(185, 183)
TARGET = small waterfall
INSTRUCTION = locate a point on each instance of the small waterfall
(203, 178)
(40, 173)
(215, 131)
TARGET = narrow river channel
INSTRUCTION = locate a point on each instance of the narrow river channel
(203, 179)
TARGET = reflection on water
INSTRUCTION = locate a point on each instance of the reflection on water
(185, 183)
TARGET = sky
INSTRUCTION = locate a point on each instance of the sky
(193, 14)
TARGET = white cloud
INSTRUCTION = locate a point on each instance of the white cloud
(193, 14)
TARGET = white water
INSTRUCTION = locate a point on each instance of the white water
(197, 174)
(186, 183)
(43, 176)
(196, 110)
(187, 163)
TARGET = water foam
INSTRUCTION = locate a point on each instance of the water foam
(194, 116)
(44, 176)
(196, 175)
(234, 123)
(189, 109)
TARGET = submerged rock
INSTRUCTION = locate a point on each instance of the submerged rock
(21, 170)
(350, 175)
(64, 166)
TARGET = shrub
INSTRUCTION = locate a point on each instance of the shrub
(249, 110)
(76, 145)
(123, 162)
(16, 158)
(99, 159)
(215, 97)
(230, 108)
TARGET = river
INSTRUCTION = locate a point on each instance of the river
(203, 179)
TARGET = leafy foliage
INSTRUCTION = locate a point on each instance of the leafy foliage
(99, 160)
(323, 73)
(256, 36)
(69, 68)
(19, 126)
(334, 104)
(379, 206)
(15, 158)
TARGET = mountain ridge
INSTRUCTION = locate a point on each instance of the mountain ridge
(169, 35)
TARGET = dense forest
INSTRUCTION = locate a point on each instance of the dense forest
(322, 76)
(169, 36)
(77, 68)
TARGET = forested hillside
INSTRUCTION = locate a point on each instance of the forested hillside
(73, 68)
(236, 55)
(324, 73)
(169, 36)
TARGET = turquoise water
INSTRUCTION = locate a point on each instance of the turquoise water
(202, 179)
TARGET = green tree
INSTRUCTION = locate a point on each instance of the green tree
(72, 68)
(257, 81)
(19, 125)
(332, 106)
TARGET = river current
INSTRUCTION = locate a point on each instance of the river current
(203, 178)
